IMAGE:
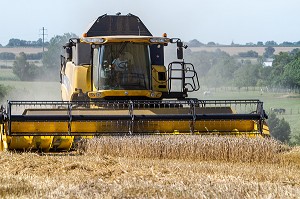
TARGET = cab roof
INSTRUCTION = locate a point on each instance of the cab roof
(111, 25)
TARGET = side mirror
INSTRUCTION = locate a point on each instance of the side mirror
(179, 50)
(68, 51)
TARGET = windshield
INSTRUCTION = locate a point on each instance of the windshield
(119, 66)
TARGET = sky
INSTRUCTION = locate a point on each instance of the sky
(220, 21)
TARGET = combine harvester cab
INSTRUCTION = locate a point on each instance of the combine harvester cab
(114, 82)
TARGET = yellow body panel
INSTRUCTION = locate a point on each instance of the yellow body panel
(42, 142)
(63, 142)
(157, 83)
(150, 126)
(76, 77)
(20, 142)
(36, 142)
(92, 127)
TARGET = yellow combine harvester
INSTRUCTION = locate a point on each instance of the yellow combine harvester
(114, 82)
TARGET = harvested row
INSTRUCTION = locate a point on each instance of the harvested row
(188, 147)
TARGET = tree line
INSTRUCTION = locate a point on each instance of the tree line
(196, 43)
(12, 56)
(24, 43)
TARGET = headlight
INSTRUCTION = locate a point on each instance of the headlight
(93, 40)
(159, 40)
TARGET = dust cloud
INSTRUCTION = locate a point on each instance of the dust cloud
(32, 91)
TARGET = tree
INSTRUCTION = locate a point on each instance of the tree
(295, 52)
(249, 53)
(264, 76)
(285, 70)
(3, 91)
(269, 52)
(34, 56)
(18, 42)
(250, 44)
(271, 43)
(246, 76)
(296, 139)
(297, 43)
(23, 69)
(221, 70)
(260, 43)
(286, 43)
(291, 74)
(7, 56)
(204, 61)
(195, 43)
(279, 128)
(211, 43)
(51, 58)
(13, 42)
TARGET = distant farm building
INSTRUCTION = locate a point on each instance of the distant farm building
(268, 62)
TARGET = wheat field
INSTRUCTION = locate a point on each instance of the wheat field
(156, 167)
(17, 50)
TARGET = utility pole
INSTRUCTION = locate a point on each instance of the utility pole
(43, 39)
(43, 35)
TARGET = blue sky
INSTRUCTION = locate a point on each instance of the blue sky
(221, 21)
